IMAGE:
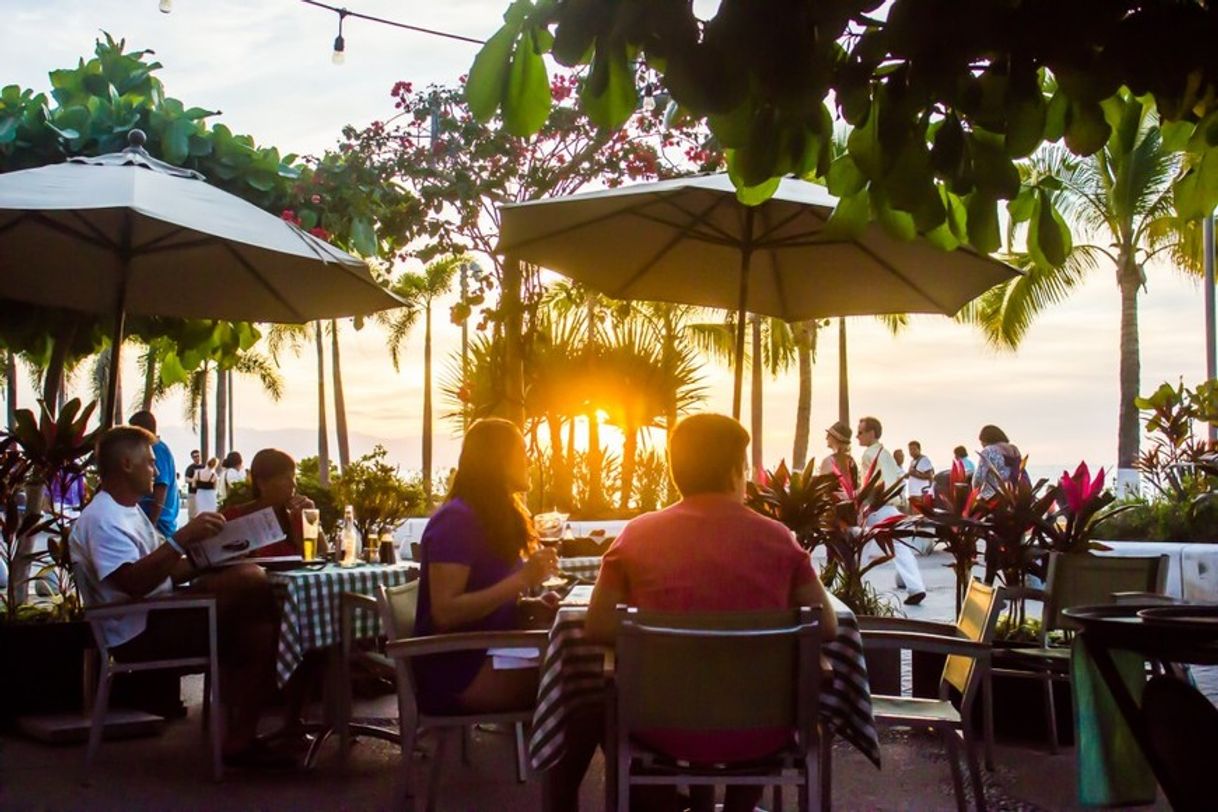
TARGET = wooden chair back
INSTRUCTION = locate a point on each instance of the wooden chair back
(703, 672)
(1086, 579)
(977, 622)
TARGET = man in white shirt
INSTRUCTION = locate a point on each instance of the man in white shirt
(908, 575)
(120, 556)
(921, 472)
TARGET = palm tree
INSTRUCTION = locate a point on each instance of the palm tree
(10, 386)
(292, 337)
(773, 351)
(647, 387)
(1120, 201)
(804, 334)
(424, 288)
(340, 403)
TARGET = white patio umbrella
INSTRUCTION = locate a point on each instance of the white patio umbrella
(690, 241)
(125, 233)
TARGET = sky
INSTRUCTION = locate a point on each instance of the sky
(266, 65)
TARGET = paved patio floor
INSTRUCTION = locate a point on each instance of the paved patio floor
(171, 771)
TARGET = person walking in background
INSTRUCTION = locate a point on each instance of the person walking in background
(961, 453)
(908, 575)
(1000, 461)
(163, 504)
(232, 471)
(838, 437)
(921, 472)
(899, 456)
(206, 481)
(189, 476)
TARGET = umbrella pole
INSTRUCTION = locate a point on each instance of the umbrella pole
(746, 256)
(120, 326)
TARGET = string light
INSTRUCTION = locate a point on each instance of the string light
(165, 6)
(340, 46)
(338, 57)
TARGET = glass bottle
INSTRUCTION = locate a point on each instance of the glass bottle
(349, 538)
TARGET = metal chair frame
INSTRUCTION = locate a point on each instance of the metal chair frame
(209, 665)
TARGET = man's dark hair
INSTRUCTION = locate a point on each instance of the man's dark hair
(144, 419)
(704, 452)
(116, 444)
(873, 426)
(915, 444)
(960, 451)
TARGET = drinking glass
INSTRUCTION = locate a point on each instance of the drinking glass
(310, 524)
(549, 533)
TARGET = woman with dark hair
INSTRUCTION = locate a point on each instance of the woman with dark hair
(999, 461)
(479, 555)
(273, 485)
(232, 471)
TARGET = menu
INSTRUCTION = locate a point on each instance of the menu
(238, 538)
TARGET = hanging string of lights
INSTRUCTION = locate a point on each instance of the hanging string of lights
(340, 44)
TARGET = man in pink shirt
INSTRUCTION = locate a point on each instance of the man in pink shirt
(707, 553)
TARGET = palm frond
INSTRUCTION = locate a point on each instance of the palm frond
(1005, 312)
(256, 365)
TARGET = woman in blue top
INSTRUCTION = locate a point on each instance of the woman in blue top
(479, 556)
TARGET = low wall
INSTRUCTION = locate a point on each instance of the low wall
(1192, 568)
(412, 531)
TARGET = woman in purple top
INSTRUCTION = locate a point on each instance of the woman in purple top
(479, 555)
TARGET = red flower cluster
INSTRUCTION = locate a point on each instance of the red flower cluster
(290, 216)
(320, 233)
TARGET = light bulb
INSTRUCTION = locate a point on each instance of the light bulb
(340, 51)
(165, 6)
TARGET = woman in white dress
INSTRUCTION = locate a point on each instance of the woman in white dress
(205, 487)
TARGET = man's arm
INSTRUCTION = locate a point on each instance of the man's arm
(812, 593)
(159, 492)
(601, 626)
(137, 578)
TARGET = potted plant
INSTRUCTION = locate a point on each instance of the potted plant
(381, 497)
(44, 638)
(955, 516)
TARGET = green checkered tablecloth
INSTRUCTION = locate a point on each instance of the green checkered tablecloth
(309, 606)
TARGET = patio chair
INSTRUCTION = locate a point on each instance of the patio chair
(715, 672)
(967, 670)
(396, 607)
(207, 664)
(1079, 580)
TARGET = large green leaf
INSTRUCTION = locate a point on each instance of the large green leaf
(844, 177)
(849, 218)
(1086, 128)
(484, 89)
(609, 95)
(983, 232)
(363, 238)
(526, 100)
(175, 140)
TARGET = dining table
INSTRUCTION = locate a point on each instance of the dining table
(1165, 635)
(309, 599)
(573, 677)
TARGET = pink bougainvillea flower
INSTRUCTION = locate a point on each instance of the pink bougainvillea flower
(320, 233)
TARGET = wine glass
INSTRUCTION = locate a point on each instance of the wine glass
(549, 533)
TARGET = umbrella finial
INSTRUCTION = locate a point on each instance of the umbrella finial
(136, 139)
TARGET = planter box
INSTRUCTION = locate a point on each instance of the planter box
(1192, 571)
(43, 668)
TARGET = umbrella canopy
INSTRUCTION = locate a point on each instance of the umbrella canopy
(126, 233)
(99, 236)
(690, 241)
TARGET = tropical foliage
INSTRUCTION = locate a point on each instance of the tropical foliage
(939, 113)
(1121, 206)
(382, 498)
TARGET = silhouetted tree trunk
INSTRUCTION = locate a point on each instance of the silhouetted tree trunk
(149, 379)
(323, 438)
(232, 419)
(340, 408)
(805, 342)
(221, 413)
(843, 381)
(10, 386)
(427, 404)
(755, 410)
(1129, 278)
(204, 424)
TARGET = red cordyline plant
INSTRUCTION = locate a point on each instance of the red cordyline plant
(1080, 499)
(955, 516)
(852, 531)
(802, 501)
